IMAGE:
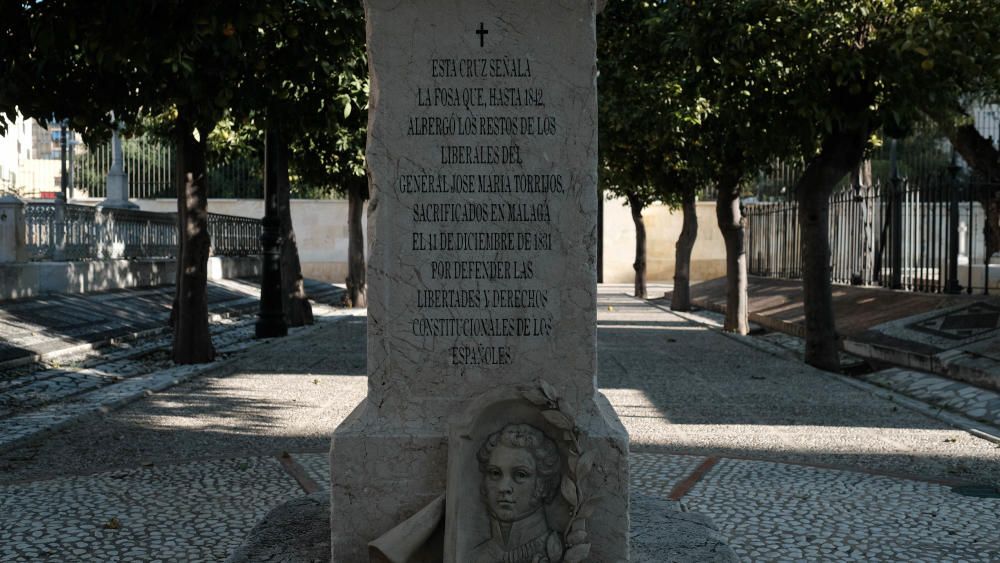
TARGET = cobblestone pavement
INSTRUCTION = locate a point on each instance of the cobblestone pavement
(45, 395)
(791, 463)
(769, 511)
(955, 396)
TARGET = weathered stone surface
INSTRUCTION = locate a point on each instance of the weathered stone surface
(482, 157)
(296, 532)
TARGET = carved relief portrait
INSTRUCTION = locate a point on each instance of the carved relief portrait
(521, 469)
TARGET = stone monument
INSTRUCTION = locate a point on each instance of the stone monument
(117, 182)
(482, 162)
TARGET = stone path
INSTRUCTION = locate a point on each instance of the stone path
(79, 381)
(942, 396)
(51, 326)
(956, 396)
(790, 462)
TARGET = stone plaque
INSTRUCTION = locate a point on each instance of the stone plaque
(482, 158)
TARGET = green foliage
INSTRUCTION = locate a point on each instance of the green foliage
(648, 126)
(83, 60)
(310, 77)
(781, 78)
(226, 69)
(718, 54)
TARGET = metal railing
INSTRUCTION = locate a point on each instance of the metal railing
(923, 235)
(60, 231)
(149, 164)
(234, 236)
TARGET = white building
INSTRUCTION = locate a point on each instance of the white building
(15, 151)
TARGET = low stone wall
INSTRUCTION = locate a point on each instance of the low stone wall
(663, 226)
(30, 279)
(320, 229)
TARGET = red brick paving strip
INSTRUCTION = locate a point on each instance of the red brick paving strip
(299, 473)
(688, 483)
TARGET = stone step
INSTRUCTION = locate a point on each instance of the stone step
(61, 384)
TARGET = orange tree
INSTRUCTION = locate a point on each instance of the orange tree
(189, 63)
(826, 74)
(648, 129)
(308, 88)
(718, 62)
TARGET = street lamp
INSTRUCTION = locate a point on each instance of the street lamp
(271, 319)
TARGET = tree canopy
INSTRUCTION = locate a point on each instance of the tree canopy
(817, 78)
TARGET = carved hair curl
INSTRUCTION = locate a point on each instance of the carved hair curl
(542, 449)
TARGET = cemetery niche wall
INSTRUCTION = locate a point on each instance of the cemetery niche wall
(482, 160)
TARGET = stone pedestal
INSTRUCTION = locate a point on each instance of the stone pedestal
(117, 182)
(482, 157)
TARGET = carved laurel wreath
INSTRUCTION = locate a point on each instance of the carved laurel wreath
(560, 414)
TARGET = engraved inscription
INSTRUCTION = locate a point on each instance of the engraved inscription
(482, 199)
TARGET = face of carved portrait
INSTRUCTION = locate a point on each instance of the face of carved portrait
(510, 482)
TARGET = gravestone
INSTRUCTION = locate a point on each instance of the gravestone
(482, 161)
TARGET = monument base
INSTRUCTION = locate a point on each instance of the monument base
(298, 532)
(384, 469)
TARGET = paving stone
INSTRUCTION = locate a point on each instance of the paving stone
(750, 500)
(35, 402)
(130, 513)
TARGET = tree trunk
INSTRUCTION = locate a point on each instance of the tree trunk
(635, 204)
(841, 152)
(681, 299)
(984, 159)
(192, 339)
(731, 224)
(298, 310)
(357, 288)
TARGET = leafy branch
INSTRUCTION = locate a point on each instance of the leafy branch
(560, 414)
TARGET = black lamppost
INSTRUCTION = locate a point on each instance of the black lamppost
(63, 155)
(952, 286)
(271, 319)
(896, 217)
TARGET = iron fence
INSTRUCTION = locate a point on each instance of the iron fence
(150, 167)
(926, 235)
(60, 231)
(234, 236)
(149, 163)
